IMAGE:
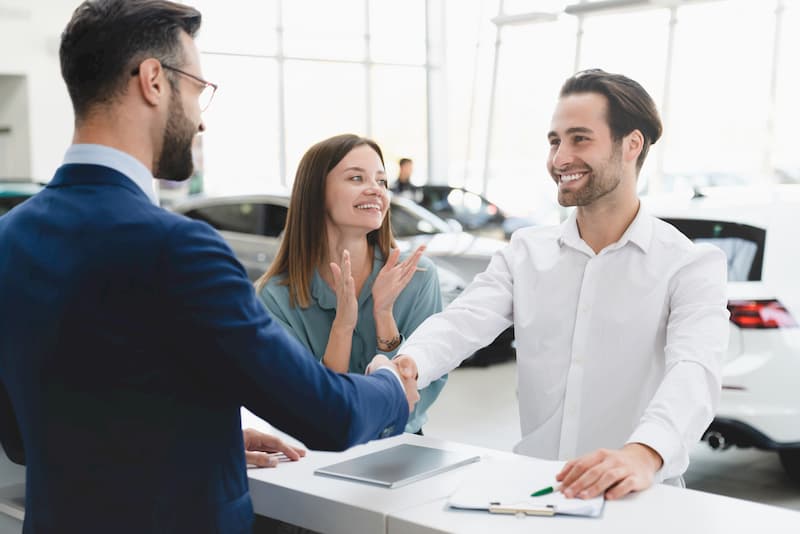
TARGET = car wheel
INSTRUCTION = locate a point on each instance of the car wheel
(790, 460)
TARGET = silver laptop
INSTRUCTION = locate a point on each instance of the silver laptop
(399, 465)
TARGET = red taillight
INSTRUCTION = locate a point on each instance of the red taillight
(760, 314)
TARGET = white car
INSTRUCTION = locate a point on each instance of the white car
(252, 226)
(760, 404)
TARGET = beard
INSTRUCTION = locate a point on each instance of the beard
(175, 161)
(602, 180)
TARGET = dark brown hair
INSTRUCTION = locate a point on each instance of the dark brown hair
(630, 107)
(106, 39)
(305, 241)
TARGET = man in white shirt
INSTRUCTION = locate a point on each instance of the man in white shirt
(620, 320)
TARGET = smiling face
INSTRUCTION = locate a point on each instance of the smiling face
(356, 194)
(585, 161)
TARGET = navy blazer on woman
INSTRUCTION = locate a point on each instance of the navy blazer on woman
(129, 339)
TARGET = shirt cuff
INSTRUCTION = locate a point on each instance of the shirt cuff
(665, 444)
(396, 375)
(423, 380)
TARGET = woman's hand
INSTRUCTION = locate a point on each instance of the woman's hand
(346, 301)
(392, 279)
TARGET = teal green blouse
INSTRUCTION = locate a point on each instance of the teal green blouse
(312, 326)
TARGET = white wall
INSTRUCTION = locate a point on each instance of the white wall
(29, 37)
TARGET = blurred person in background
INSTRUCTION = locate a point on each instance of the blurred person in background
(403, 186)
(339, 283)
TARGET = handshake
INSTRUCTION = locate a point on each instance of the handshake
(406, 368)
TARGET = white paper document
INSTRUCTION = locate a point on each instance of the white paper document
(513, 496)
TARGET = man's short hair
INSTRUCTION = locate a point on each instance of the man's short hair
(630, 107)
(403, 161)
(106, 39)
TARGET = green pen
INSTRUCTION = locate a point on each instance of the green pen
(544, 491)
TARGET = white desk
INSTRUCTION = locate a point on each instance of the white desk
(294, 494)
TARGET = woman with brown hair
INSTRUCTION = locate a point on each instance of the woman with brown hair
(339, 283)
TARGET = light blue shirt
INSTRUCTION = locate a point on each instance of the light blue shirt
(312, 326)
(132, 168)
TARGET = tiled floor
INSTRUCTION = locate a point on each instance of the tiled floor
(479, 406)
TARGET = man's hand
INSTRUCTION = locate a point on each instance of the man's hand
(407, 366)
(409, 383)
(613, 472)
(264, 450)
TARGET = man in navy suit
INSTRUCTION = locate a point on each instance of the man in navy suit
(130, 336)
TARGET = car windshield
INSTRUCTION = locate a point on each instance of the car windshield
(742, 244)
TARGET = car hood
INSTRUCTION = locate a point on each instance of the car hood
(454, 244)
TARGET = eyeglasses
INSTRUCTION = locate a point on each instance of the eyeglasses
(206, 95)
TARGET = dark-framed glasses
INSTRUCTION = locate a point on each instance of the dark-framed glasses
(206, 95)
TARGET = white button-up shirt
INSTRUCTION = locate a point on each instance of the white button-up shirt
(617, 347)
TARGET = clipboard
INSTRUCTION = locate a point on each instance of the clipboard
(512, 497)
(522, 508)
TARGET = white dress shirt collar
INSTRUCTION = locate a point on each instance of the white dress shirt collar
(639, 232)
(132, 168)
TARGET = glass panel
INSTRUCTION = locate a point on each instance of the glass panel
(720, 89)
(240, 145)
(322, 100)
(237, 26)
(542, 6)
(243, 218)
(786, 157)
(324, 29)
(399, 119)
(742, 244)
(397, 31)
(534, 62)
(275, 220)
(740, 253)
(606, 44)
(470, 58)
(406, 224)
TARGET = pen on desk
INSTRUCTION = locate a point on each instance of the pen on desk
(544, 491)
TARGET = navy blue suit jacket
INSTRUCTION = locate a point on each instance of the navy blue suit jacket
(129, 339)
